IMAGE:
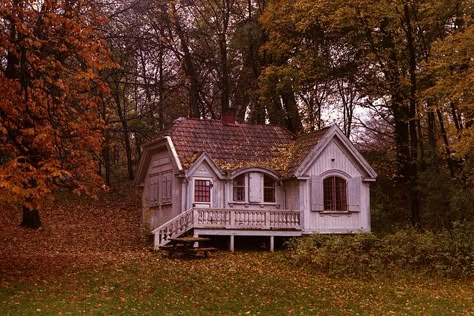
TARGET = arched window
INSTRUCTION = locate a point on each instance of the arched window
(335, 194)
(239, 188)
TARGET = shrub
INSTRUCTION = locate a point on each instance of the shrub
(447, 253)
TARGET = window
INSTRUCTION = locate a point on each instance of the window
(239, 188)
(268, 189)
(335, 194)
(202, 190)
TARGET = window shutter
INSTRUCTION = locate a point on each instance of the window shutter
(317, 194)
(353, 189)
(153, 189)
(255, 187)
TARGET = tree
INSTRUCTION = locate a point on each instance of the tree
(51, 54)
(381, 52)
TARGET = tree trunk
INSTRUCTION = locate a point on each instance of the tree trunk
(31, 218)
(106, 157)
(415, 141)
(189, 69)
(128, 151)
(293, 121)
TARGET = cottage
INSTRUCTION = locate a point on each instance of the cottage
(213, 177)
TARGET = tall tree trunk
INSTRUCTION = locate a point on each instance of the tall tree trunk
(413, 122)
(106, 157)
(293, 120)
(225, 95)
(446, 143)
(189, 68)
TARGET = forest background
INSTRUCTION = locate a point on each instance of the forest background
(84, 83)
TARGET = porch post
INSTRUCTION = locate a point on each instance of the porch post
(196, 235)
(231, 246)
(272, 243)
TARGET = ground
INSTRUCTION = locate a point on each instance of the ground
(90, 258)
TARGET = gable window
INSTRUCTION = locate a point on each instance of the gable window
(202, 190)
(335, 194)
(268, 189)
(239, 188)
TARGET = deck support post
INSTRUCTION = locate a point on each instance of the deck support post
(272, 243)
(196, 235)
(231, 244)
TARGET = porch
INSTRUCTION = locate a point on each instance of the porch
(230, 222)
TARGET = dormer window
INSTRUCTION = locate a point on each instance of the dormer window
(269, 185)
(239, 188)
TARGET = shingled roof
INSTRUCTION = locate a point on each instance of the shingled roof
(234, 146)
(302, 146)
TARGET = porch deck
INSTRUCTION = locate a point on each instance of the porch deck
(230, 222)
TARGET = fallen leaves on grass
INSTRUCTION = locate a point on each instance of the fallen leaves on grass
(89, 258)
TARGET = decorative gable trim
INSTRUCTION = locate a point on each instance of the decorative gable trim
(173, 153)
(335, 131)
(204, 157)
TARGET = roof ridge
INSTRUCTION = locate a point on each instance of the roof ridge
(184, 119)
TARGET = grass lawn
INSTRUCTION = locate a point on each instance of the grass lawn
(89, 259)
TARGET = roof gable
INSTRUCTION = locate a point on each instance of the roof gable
(204, 158)
(334, 132)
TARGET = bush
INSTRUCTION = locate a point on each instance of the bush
(447, 253)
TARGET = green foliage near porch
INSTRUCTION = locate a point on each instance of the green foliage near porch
(448, 253)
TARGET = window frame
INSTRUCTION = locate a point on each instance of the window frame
(266, 188)
(211, 185)
(337, 202)
(243, 187)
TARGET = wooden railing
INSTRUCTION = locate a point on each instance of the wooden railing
(246, 219)
(220, 218)
(173, 228)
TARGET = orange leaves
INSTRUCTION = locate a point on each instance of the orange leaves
(49, 92)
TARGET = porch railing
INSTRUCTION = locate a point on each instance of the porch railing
(220, 218)
(246, 219)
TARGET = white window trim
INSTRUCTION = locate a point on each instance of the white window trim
(194, 192)
(341, 174)
(246, 187)
(247, 190)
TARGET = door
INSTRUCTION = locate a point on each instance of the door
(202, 193)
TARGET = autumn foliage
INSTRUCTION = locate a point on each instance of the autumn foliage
(51, 54)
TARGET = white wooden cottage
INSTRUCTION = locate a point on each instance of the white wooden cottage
(210, 177)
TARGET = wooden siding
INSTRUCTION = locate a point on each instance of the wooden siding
(291, 195)
(335, 160)
(154, 213)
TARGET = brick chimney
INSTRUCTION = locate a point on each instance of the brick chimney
(228, 116)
